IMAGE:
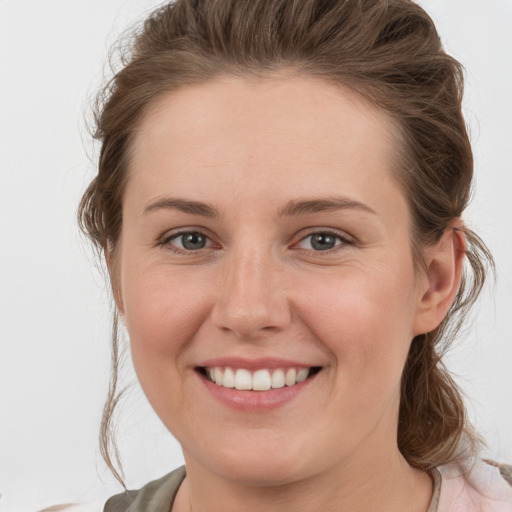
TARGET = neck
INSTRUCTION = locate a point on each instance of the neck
(386, 483)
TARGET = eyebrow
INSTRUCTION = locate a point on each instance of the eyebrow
(299, 207)
(183, 205)
(293, 208)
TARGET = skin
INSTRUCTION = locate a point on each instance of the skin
(259, 288)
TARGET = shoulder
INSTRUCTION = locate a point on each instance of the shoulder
(155, 496)
(96, 506)
(475, 486)
(504, 469)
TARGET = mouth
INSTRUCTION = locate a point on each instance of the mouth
(263, 379)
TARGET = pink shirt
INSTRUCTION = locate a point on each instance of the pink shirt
(459, 487)
(472, 487)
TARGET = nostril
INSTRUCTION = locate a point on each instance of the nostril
(251, 311)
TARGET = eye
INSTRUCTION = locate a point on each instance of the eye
(188, 241)
(322, 241)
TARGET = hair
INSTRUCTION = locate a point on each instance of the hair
(389, 52)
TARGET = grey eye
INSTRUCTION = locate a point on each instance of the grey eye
(323, 241)
(191, 241)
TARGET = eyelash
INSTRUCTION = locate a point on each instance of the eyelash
(166, 242)
(341, 239)
(344, 241)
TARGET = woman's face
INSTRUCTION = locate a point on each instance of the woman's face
(264, 239)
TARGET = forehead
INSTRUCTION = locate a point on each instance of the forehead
(252, 136)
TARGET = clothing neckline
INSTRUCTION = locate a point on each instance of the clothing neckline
(436, 493)
(433, 506)
(160, 494)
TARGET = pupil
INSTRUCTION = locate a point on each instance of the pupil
(193, 241)
(323, 241)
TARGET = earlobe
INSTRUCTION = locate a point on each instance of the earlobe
(444, 265)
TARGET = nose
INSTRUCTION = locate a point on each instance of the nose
(252, 300)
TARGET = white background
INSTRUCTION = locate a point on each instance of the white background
(54, 306)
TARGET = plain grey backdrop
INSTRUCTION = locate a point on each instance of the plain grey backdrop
(54, 305)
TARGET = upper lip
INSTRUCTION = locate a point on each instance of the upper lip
(254, 364)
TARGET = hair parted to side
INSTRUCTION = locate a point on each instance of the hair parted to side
(388, 51)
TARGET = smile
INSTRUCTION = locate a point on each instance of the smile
(260, 380)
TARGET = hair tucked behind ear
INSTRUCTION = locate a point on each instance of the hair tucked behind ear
(388, 51)
(433, 427)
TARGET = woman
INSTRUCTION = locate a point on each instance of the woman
(279, 203)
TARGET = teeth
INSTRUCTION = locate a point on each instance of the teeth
(302, 374)
(278, 379)
(291, 377)
(260, 380)
(219, 376)
(243, 379)
(229, 378)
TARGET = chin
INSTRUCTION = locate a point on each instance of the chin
(261, 464)
(268, 473)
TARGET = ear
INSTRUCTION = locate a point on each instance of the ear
(112, 260)
(444, 263)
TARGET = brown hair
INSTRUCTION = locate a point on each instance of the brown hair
(388, 51)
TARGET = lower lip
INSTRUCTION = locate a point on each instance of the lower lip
(255, 401)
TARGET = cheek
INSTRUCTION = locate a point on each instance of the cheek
(162, 312)
(365, 320)
(354, 302)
